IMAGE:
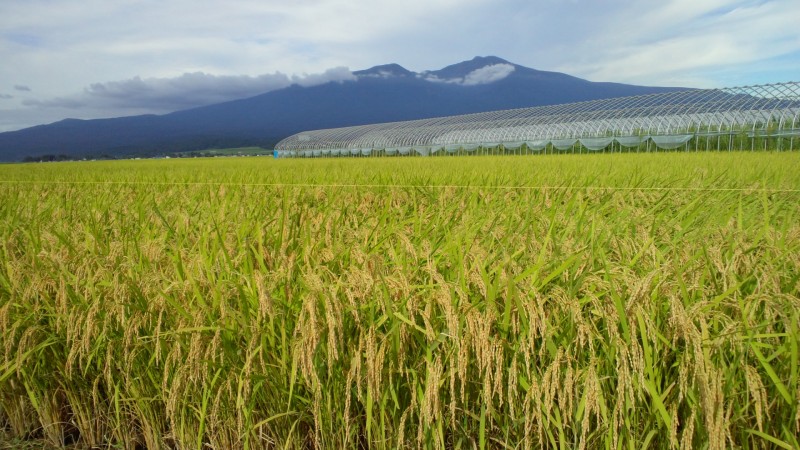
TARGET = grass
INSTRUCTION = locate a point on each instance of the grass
(601, 301)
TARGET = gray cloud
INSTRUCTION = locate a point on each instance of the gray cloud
(57, 102)
(185, 91)
(6, 96)
(23, 88)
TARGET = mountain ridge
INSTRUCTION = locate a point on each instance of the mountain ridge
(383, 93)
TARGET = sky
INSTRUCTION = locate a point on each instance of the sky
(107, 58)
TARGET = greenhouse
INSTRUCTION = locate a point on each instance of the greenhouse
(764, 117)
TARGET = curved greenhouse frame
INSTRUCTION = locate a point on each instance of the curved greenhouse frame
(742, 118)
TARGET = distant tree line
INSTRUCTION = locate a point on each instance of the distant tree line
(49, 158)
(196, 146)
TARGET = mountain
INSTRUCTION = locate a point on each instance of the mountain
(380, 94)
(385, 71)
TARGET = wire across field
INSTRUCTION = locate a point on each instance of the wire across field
(413, 186)
(574, 301)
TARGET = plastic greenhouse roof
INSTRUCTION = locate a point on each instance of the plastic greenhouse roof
(774, 107)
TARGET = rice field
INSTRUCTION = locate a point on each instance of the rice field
(575, 301)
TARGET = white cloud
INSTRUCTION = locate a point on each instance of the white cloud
(483, 75)
(488, 74)
(379, 74)
(688, 40)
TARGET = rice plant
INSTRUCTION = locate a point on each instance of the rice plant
(601, 301)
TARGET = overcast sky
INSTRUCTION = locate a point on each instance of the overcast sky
(105, 58)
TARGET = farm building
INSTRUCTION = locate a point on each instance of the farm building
(740, 118)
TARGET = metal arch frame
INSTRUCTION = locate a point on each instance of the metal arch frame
(746, 109)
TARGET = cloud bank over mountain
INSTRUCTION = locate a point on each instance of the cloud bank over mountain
(185, 91)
